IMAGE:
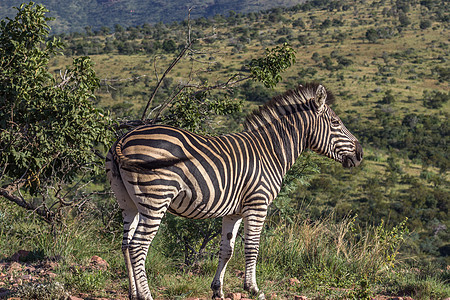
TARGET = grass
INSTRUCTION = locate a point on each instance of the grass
(326, 259)
(325, 255)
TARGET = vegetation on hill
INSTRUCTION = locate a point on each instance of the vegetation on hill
(386, 62)
(98, 15)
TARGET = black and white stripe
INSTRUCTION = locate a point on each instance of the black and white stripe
(236, 176)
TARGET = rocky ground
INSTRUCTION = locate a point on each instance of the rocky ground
(15, 273)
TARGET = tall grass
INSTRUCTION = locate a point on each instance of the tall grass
(326, 255)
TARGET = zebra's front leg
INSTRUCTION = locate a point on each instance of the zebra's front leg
(253, 224)
(230, 227)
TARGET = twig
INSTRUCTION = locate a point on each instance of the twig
(174, 62)
(163, 107)
(156, 70)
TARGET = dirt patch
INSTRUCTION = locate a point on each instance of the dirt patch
(21, 269)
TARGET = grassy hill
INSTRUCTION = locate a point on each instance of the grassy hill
(75, 15)
(387, 62)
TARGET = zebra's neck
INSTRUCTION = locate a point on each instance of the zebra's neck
(283, 139)
(284, 124)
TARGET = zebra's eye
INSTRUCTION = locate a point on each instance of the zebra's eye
(335, 122)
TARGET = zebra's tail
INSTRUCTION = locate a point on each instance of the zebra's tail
(124, 162)
(112, 162)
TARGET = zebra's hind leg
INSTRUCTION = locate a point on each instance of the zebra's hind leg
(230, 227)
(253, 224)
(130, 221)
(130, 218)
(151, 211)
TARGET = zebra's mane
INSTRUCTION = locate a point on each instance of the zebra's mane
(276, 107)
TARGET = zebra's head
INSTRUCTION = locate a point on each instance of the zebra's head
(329, 136)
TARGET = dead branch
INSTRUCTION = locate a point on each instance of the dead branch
(47, 215)
(173, 64)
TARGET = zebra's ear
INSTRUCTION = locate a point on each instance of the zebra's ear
(321, 97)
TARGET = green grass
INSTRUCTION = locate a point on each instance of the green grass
(332, 259)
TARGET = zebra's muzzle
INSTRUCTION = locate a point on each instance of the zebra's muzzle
(355, 159)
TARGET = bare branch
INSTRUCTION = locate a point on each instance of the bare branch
(189, 25)
(156, 70)
(47, 216)
(65, 79)
(164, 106)
(173, 64)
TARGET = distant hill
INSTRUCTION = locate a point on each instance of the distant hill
(76, 15)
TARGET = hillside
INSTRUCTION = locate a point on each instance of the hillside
(75, 15)
(387, 63)
(333, 234)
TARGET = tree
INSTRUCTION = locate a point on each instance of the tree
(49, 130)
(388, 98)
(169, 46)
(424, 24)
(372, 35)
(190, 106)
(435, 99)
(404, 20)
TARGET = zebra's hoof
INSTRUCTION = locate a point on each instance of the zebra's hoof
(261, 296)
(217, 295)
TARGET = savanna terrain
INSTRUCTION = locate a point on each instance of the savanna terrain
(379, 230)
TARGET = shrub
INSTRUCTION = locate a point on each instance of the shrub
(424, 24)
(435, 99)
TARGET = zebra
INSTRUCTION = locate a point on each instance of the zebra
(157, 168)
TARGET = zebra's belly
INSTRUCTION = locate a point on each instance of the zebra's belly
(188, 206)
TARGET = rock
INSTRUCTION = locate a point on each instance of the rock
(26, 277)
(51, 265)
(31, 269)
(20, 255)
(234, 296)
(240, 274)
(3, 266)
(15, 266)
(99, 263)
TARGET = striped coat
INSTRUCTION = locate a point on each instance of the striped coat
(157, 168)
